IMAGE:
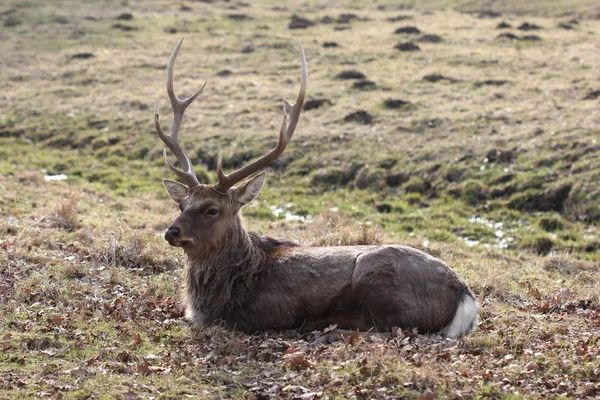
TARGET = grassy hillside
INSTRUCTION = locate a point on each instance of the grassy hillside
(480, 146)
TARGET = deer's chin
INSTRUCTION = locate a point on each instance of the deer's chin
(181, 242)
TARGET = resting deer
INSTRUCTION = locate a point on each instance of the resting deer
(256, 283)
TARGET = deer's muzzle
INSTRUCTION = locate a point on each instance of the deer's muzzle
(171, 234)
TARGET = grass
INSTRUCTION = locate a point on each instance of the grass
(499, 180)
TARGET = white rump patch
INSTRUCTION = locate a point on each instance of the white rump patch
(465, 319)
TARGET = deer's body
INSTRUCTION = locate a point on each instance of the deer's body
(257, 283)
(278, 285)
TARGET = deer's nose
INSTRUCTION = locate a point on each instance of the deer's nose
(171, 234)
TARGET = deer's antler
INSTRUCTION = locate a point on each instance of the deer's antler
(291, 114)
(178, 105)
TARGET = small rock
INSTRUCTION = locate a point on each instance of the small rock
(409, 30)
(408, 46)
(298, 22)
(351, 74)
(224, 73)
(360, 116)
(170, 30)
(330, 44)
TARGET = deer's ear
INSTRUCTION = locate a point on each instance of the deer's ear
(250, 190)
(177, 191)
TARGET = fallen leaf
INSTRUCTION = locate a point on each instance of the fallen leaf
(298, 360)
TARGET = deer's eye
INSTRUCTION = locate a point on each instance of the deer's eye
(212, 211)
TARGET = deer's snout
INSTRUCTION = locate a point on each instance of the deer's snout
(171, 234)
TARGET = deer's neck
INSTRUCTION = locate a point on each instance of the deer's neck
(217, 283)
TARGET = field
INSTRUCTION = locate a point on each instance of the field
(473, 141)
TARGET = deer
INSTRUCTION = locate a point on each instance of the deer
(254, 283)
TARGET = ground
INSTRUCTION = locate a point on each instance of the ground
(432, 125)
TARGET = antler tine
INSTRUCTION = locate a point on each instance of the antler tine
(291, 113)
(179, 106)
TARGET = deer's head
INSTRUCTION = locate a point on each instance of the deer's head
(209, 213)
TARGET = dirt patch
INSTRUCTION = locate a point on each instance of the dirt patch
(398, 18)
(409, 30)
(430, 38)
(364, 85)
(9, 21)
(490, 82)
(124, 28)
(552, 199)
(298, 22)
(592, 95)
(407, 46)
(239, 17)
(566, 26)
(507, 35)
(124, 17)
(504, 156)
(360, 116)
(313, 104)
(347, 18)
(438, 77)
(82, 56)
(351, 74)
(526, 26)
(395, 104)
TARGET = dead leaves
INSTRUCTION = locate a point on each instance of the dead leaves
(297, 359)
